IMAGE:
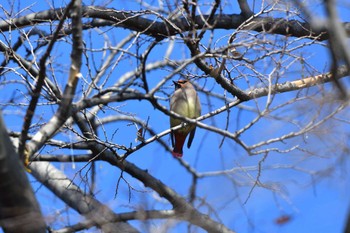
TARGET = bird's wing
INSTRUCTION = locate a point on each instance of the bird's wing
(172, 139)
(190, 139)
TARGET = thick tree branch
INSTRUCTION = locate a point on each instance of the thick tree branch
(299, 84)
(184, 210)
(60, 117)
(157, 29)
(245, 9)
(347, 223)
(84, 204)
(136, 215)
(180, 205)
(40, 82)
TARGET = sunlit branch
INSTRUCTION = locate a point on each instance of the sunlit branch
(136, 215)
(299, 84)
(86, 205)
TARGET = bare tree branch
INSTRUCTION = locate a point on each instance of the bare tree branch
(117, 88)
(135, 21)
(136, 215)
(39, 85)
(84, 204)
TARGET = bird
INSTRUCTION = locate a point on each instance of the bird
(184, 102)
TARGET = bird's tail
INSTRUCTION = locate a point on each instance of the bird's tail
(179, 142)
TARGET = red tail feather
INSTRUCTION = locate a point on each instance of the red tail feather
(179, 142)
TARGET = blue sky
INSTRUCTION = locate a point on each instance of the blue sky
(312, 188)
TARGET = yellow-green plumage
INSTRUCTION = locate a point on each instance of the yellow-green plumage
(186, 103)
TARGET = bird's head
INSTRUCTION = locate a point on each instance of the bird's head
(181, 83)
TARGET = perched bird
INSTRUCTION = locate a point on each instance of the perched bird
(184, 102)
